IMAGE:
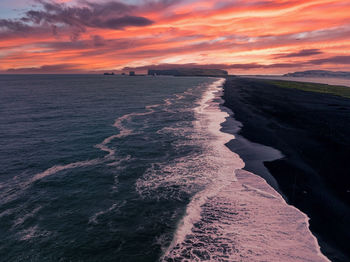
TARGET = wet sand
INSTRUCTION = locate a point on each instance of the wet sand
(312, 131)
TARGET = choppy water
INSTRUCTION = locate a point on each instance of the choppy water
(97, 168)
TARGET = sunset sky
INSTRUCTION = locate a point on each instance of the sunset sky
(243, 37)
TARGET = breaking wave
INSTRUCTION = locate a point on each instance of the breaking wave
(233, 215)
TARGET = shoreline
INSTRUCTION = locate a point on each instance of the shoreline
(295, 123)
(253, 154)
(238, 214)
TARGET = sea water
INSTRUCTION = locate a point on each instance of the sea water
(111, 168)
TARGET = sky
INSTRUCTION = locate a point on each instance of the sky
(242, 37)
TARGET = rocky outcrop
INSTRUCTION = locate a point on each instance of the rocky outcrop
(320, 73)
(189, 72)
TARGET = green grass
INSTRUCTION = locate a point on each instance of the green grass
(342, 91)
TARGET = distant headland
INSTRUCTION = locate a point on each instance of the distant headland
(319, 73)
(179, 72)
(188, 72)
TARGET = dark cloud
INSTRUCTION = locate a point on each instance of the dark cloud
(121, 22)
(73, 68)
(213, 66)
(66, 45)
(17, 26)
(98, 40)
(112, 15)
(96, 45)
(94, 41)
(302, 53)
(172, 66)
(47, 69)
(256, 66)
(331, 60)
(109, 15)
(345, 60)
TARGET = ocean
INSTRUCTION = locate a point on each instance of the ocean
(113, 168)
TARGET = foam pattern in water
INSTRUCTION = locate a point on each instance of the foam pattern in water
(235, 215)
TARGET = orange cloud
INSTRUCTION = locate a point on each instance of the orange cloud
(272, 36)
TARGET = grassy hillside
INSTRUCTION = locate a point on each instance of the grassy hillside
(342, 91)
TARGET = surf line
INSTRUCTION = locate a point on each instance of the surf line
(245, 182)
(209, 118)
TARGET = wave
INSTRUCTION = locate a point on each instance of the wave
(58, 168)
(115, 208)
(124, 131)
(189, 174)
(236, 216)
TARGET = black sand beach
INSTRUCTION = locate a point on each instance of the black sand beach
(312, 131)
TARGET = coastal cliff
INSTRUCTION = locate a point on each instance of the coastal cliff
(320, 73)
(188, 72)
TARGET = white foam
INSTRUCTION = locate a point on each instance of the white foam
(28, 233)
(240, 225)
(168, 101)
(120, 161)
(58, 168)
(118, 165)
(32, 232)
(235, 217)
(23, 218)
(114, 208)
(123, 130)
(217, 159)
